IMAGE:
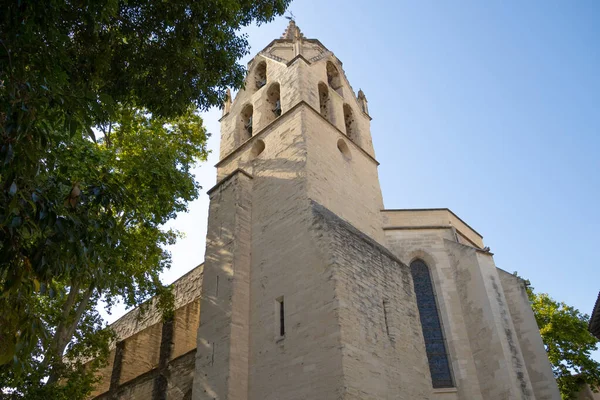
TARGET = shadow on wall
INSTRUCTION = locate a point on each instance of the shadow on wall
(278, 177)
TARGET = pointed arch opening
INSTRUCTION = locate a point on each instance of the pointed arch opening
(435, 344)
(333, 77)
(260, 75)
(325, 102)
(350, 124)
(246, 122)
(273, 101)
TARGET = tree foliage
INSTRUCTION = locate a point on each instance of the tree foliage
(568, 343)
(99, 131)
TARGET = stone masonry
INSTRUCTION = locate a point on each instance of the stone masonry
(310, 288)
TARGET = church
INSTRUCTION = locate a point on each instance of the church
(310, 289)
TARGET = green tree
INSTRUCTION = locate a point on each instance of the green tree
(99, 131)
(568, 343)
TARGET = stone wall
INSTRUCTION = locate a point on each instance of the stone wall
(304, 362)
(185, 290)
(178, 377)
(347, 184)
(487, 321)
(148, 348)
(383, 353)
(586, 393)
(433, 218)
(429, 245)
(221, 370)
(528, 334)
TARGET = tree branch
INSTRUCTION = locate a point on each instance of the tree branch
(68, 306)
(108, 140)
(64, 335)
(66, 310)
(78, 313)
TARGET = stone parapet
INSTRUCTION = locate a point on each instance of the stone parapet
(432, 218)
(185, 290)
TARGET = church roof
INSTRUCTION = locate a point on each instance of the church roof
(595, 320)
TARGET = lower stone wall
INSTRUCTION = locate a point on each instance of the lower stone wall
(586, 393)
(141, 353)
(154, 359)
(429, 245)
(528, 334)
(492, 339)
(178, 376)
(181, 377)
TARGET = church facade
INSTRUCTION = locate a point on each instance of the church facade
(310, 289)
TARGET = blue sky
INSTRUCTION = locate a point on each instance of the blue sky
(491, 109)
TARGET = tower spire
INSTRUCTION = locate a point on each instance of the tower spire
(227, 102)
(362, 100)
(292, 32)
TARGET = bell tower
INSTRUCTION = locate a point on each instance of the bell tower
(298, 86)
(298, 286)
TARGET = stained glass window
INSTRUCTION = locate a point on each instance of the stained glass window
(432, 328)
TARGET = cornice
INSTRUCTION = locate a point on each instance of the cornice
(433, 209)
(228, 177)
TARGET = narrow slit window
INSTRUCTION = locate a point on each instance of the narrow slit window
(212, 355)
(385, 317)
(281, 312)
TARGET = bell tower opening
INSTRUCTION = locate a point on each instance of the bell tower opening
(350, 124)
(246, 123)
(333, 78)
(260, 75)
(324, 101)
(274, 101)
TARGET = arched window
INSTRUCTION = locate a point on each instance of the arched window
(350, 123)
(333, 78)
(246, 122)
(274, 100)
(435, 345)
(324, 101)
(260, 75)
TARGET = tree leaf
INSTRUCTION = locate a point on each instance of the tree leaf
(9, 154)
(91, 134)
